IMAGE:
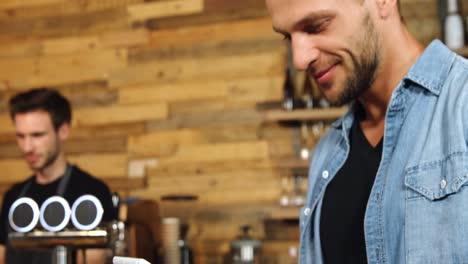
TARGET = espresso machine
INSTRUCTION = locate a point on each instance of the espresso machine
(55, 231)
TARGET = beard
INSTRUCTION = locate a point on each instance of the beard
(365, 65)
(50, 158)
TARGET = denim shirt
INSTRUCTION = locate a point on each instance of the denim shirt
(417, 211)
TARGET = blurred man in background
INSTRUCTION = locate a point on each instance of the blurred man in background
(42, 119)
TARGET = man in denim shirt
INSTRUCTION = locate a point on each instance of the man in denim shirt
(389, 182)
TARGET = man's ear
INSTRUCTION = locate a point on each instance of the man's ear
(64, 131)
(387, 7)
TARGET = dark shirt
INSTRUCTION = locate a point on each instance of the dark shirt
(345, 201)
(80, 183)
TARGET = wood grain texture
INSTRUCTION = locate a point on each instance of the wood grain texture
(10, 4)
(119, 114)
(63, 8)
(6, 125)
(219, 152)
(115, 166)
(33, 47)
(239, 66)
(57, 25)
(56, 70)
(214, 34)
(14, 170)
(235, 90)
(110, 130)
(144, 11)
(163, 143)
(215, 11)
(207, 118)
(103, 165)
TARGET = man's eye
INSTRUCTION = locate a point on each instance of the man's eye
(312, 29)
(317, 27)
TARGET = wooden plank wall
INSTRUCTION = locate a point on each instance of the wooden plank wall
(165, 96)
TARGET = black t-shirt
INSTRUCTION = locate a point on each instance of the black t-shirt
(345, 201)
(80, 183)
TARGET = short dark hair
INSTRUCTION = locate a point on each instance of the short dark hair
(45, 99)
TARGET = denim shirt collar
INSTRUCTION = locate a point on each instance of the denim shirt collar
(432, 68)
(429, 72)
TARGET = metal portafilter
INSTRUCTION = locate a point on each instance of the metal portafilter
(23, 215)
(54, 214)
(87, 212)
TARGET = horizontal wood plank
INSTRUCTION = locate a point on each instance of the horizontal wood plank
(118, 184)
(102, 165)
(219, 152)
(32, 47)
(10, 150)
(69, 45)
(241, 90)
(215, 11)
(162, 143)
(197, 168)
(63, 8)
(89, 94)
(125, 38)
(110, 130)
(144, 11)
(262, 64)
(213, 34)
(98, 144)
(243, 194)
(59, 26)
(6, 125)
(14, 170)
(10, 4)
(207, 118)
(230, 133)
(77, 67)
(120, 114)
(305, 114)
(19, 48)
(173, 92)
(66, 45)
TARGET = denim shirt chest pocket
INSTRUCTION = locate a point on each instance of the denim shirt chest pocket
(436, 228)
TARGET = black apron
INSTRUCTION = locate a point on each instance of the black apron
(35, 256)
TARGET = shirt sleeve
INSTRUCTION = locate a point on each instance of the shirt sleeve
(105, 196)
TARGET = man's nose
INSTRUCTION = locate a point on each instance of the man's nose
(304, 50)
(26, 145)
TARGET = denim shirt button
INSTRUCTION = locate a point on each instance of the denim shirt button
(325, 174)
(307, 211)
(443, 183)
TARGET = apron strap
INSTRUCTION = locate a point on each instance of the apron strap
(60, 189)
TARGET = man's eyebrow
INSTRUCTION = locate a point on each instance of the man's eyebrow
(309, 18)
(314, 16)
